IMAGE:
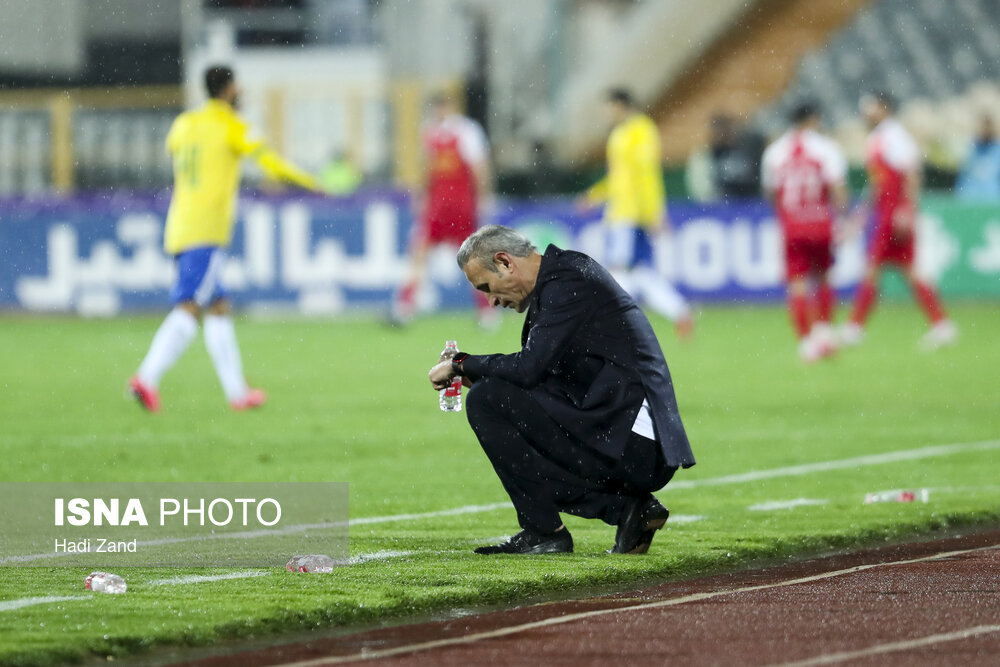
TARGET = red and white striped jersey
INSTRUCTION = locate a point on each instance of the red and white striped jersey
(891, 154)
(799, 170)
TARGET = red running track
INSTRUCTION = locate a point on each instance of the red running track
(927, 603)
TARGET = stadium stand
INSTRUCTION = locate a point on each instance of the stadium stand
(943, 72)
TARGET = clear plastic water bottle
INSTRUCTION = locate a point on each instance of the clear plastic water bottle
(898, 496)
(316, 563)
(450, 398)
(104, 582)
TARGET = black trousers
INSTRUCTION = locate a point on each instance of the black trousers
(545, 471)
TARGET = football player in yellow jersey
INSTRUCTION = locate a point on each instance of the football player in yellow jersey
(635, 209)
(207, 145)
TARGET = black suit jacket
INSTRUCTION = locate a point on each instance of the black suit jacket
(590, 356)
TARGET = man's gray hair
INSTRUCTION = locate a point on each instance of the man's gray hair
(490, 240)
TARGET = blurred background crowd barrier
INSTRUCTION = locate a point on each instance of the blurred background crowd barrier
(97, 256)
(88, 91)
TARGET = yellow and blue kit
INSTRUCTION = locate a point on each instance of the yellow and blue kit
(633, 187)
(207, 145)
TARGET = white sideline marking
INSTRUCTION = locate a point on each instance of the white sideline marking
(579, 616)
(824, 466)
(377, 555)
(467, 509)
(676, 519)
(296, 528)
(878, 649)
(10, 605)
(200, 578)
(804, 469)
(785, 504)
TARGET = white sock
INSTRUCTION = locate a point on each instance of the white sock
(659, 294)
(171, 340)
(220, 341)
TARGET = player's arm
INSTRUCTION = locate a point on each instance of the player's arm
(280, 169)
(905, 216)
(904, 155)
(593, 196)
(565, 307)
(475, 150)
(483, 173)
(769, 175)
(273, 165)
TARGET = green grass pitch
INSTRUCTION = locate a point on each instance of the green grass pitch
(350, 402)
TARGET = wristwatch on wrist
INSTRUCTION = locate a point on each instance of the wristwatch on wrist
(456, 362)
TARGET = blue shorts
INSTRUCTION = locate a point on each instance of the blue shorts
(199, 276)
(629, 247)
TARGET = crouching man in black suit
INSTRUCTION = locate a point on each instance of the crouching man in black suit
(583, 419)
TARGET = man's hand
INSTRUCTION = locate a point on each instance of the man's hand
(851, 225)
(661, 228)
(441, 375)
(904, 220)
(583, 203)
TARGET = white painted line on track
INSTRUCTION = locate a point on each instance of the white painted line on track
(584, 615)
(773, 505)
(789, 471)
(201, 578)
(892, 647)
(10, 605)
(841, 464)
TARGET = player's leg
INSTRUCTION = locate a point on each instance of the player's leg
(853, 331)
(465, 216)
(404, 301)
(800, 316)
(797, 269)
(656, 291)
(630, 259)
(660, 295)
(196, 273)
(943, 331)
(822, 328)
(220, 341)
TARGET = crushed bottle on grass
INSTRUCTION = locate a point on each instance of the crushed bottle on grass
(105, 582)
(313, 563)
(898, 496)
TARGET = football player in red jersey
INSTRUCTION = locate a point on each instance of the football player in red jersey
(458, 180)
(804, 174)
(894, 171)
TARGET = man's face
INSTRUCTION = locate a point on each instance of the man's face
(873, 110)
(232, 95)
(507, 287)
(441, 110)
(615, 111)
(987, 132)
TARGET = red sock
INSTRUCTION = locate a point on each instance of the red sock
(863, 302)
(406, 299)
(825, 298)
(798, 309)
(928, 300)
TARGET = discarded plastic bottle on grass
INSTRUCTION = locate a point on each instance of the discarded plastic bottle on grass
(316, 563)
(450, 398)
(897, 496)
(104, 582)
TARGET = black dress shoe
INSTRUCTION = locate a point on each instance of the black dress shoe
(642, 519)
(560, 542)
